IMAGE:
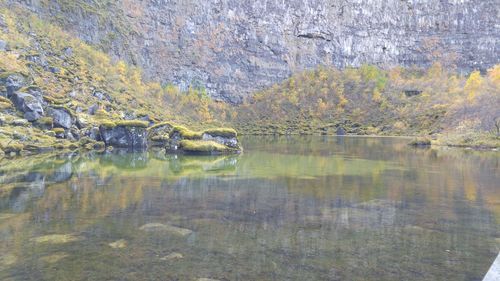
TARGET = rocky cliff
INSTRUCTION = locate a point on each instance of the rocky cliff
(234, 47)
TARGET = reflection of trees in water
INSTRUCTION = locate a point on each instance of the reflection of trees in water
(360, 220)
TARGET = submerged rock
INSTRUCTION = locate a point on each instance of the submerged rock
(120, 244)
(8, 259)
(158, 227)
(56, 239)
(54, 258)
(172, 256)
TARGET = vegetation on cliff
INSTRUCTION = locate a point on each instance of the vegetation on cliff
(56, 90)
(368, 100)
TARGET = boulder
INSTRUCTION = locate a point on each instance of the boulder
(62, 117)
(227, 141)
(340, 131)
(29, 105)
(12, 82)
(133, 137)
(93, 109)
(3, 45)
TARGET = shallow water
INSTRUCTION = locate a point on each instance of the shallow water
(296, 208)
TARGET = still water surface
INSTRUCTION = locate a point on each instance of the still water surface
(297, 208)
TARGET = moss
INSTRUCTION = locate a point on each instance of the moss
(185, 133)
(222, 132)
(65, 108)
(5, 105)
(48, 121)
(13, 147)
(159, 125)
(4, 99)
(58, 131)
(55, 101)
(107, 123)
(160, 138)
(132, 123)
(203, 147)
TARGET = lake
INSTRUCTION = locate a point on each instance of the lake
(288, 208)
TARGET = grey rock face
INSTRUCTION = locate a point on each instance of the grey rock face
(29, 105)
(62, 118)
(12, 82)
(228, 141)
(234, 47)
(124, 136)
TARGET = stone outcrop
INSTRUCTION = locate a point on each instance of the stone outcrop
(133, 137)
(234, 47)
(62, 117)
(29, 105)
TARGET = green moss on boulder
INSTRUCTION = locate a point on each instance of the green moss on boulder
(187, 134)
(222, 132)
(203, 147)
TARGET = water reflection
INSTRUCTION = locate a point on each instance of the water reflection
(288, 209)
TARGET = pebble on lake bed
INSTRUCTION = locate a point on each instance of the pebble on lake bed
(158, 227)
(54, 258)
(172, 256)
(56, 239)
(120, 244)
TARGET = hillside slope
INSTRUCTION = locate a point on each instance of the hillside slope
(58, 92)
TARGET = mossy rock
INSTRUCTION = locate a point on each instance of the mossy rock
(47, 121)
(160, 125)
(203, 147)
(58, 131)
(107, 124)
(222, 132)
(185, 133)
(13, 147)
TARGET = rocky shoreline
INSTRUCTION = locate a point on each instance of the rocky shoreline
(33, 123)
